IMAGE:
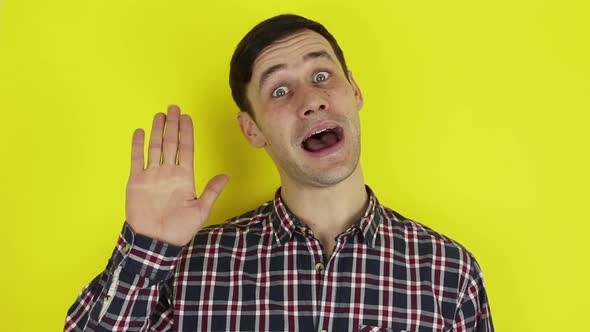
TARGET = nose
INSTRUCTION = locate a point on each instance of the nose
(314, 100)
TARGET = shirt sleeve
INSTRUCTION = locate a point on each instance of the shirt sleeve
(133, 293)
(473, 313)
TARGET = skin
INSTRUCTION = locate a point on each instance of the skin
(161, 201)
(326, 192)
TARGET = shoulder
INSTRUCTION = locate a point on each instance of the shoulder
(251, 224)
(424, 244)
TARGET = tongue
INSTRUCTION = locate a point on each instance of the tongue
(321, 141)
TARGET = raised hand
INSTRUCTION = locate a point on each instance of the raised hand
(161, 199)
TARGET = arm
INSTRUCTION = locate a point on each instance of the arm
(473, 313)
(133, 293)
(163, 214)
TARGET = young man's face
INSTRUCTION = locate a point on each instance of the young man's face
(298, 89)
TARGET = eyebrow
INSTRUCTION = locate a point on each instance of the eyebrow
(273, 69)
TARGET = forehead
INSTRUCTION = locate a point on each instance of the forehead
(290, 50)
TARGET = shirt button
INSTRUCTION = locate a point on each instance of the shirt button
(303, 229)
(106, 298)
(324, 331)
(126, 248)
(320, 267)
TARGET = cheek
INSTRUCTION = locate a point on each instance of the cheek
(280, 107)
(340, 97)
(340, 90)
(276, 130)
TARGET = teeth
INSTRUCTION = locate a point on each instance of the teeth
(319, 131)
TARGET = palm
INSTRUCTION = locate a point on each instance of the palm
(161, 199)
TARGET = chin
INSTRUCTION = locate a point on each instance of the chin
(330, 176)
(319, 171)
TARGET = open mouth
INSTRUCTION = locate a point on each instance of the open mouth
(323, 139)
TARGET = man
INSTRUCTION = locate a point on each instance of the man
(323, 255)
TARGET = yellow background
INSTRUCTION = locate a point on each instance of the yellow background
(476, 123)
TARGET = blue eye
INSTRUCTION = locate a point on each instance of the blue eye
(280, 91)
(321, 76)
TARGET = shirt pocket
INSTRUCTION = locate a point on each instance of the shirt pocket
(370, 328)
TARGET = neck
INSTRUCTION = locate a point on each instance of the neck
(328, 211)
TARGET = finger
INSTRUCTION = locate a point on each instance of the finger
(155, 148)
(137, 151)
(212, 191)
(170, 143)
(186, 146)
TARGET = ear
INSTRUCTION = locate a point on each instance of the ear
(357, 92)
(250, 130)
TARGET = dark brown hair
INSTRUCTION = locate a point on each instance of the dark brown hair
(261, 36)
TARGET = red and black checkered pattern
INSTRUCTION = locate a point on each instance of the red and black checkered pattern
(265, 271)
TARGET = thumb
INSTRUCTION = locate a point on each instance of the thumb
(212, 191)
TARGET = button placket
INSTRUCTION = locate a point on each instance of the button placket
(320, 267)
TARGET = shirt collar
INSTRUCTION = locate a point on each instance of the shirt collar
(284, 222)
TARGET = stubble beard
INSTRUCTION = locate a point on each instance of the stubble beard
(304, 175)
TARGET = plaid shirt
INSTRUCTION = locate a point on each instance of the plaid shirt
(265, 271)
